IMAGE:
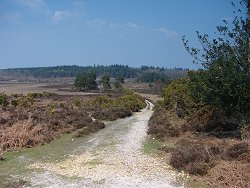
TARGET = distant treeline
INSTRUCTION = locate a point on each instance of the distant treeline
(114, 71)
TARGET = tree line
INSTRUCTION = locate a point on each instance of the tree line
(114, 71)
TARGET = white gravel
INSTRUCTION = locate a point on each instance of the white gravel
(117, 161)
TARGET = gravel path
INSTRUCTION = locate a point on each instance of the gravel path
(114, 159)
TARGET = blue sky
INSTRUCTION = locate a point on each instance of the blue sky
(87, 32)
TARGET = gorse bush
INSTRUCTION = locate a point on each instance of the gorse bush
(177, 97)
(103, 101)
(131, 102)
(4, 100)
(108, 108)
(25, 101)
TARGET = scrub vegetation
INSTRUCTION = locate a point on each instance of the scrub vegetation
(38, 118)
(207, 115)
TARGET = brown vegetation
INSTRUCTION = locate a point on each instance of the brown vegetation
(230, 174)
(18, 184)
(201, 140)
(161, 127)
(111, 113)
(46, 118)
(38, 118)
(218, 157)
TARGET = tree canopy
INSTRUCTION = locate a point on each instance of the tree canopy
(86, 81)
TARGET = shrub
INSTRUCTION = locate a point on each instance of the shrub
(236, 150)
(191, 157)
(229, 174)
(26, 101)
(14, 102)
(77, 101)
(160, 127)
(103, 101)
(35, 95)
(111, 113)
(107, 108)
(131, 102)
(4, 100)
(177, 97)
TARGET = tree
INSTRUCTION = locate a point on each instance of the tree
(91, 83)
(80, 83)
(86, 81)
(105, 81)
(224, 81)
(150, 77)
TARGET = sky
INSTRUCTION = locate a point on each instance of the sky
(104, 32)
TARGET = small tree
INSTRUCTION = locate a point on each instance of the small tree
(106, 82)
(90, 80)
(80, 82)
(86, 81)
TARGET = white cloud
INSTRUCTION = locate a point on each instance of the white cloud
(32, 4)
(100, 24)
(60, 15)
(132, 25)
(124, 26)
(12, 17)
(97, 23)
(167, 32)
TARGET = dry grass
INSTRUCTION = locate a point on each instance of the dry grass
(192, 157)
(218, 162)
(229, 174)
(217, 159)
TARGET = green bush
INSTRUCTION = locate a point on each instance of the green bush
(26, 101)
(103, 101)
(107, 108)
(131, 102)
(77, 101)
(4, 100)
(14, 102)
(177, 97)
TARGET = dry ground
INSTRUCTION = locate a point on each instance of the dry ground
(13, 87)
